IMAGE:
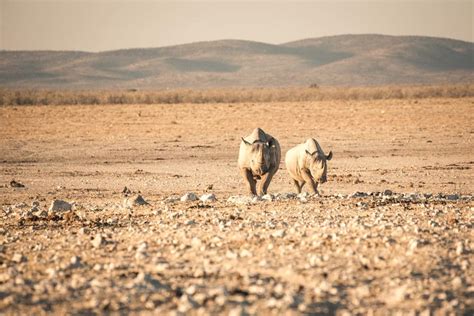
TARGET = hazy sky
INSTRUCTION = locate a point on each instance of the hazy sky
(112, 24)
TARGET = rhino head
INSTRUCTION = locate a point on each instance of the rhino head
(259, 156)
(318, 165)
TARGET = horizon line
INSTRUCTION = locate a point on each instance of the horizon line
(229, 39)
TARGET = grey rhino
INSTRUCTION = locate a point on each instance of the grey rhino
(307, 163)
(259, 159)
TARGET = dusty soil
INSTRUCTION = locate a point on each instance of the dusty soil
(336, 254)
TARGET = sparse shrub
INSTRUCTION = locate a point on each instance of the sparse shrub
(229, 95)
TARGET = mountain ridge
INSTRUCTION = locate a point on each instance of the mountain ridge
(340, 60)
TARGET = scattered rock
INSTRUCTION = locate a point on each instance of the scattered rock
(387, 192)
(21, 205)
(457, 283)
(303, 195)
(459, 248)
(237, 311)
(60, 206)
(18, 258)
(137, 200)
(208, 197)
(196, 242)
(126, 191)
(98, 241)
(75, 262)
(279, 233)
(358, 194)
(190, 222)
(395, 296)
(452, 197)
(190, 196)
(286, 196)
(171, 199)
(16, 184)
(141, 252)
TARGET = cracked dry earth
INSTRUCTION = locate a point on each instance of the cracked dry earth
(391, 232)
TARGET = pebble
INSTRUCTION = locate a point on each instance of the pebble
(240, 200)
(21, 205)
(18, 258)
(358, 194)
(208, 197)
(279, 233)
(171, 199)
(190, 196)
(395, 296)
(137, 200)
(286, 196)
(303, 195)
(237, 311)
(60, 206)
(457, 283)
(75, 262)
(459, 248)
(98, 241)
(452, 197)
(190, 222)
(268, 197)
(16, 184)
(196, 242)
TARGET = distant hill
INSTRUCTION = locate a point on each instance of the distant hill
(352, 60)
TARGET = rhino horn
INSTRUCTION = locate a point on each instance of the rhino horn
(329, 156)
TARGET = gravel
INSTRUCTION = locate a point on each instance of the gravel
(335, 254)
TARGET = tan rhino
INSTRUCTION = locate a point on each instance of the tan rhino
(307, 163)
(259, 159)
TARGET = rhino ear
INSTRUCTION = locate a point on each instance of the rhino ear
(245, 142)
(311, 154)
(329, 157)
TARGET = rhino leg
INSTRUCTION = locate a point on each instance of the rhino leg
(313, 186)
(248, 178)
(263, 185)
(298, 185)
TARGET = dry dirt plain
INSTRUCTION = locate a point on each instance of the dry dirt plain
(405, 253)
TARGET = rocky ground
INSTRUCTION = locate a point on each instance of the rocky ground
(140, 209)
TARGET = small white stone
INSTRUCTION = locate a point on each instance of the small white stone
(171, 199)
(279, 233)
(18, 258)
(190, 196)
(196, 242)
(459, 248)
(240, 200)
(98, 241)
(245, 253)
(191, 290)
(457, 283)
(210, 197)
(237, 311)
